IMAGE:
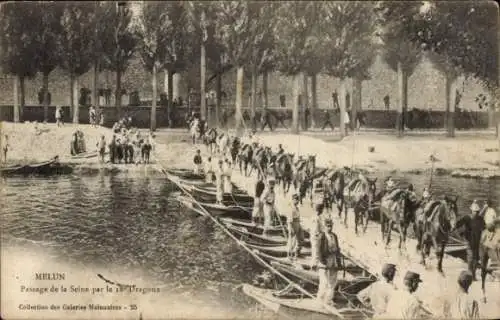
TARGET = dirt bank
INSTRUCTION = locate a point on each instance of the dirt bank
(461, 156)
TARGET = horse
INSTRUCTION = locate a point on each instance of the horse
(359, 195)
(245, 158)
(210, 139)
(435, 233)
(283, 170)
(260, 161)
(304, 171)
(397, 207)
(489, 249)
(335, 186)
(235, 147)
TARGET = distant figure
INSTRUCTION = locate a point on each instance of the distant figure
(257, 214)
(58, 116)
(282, 101)
(379, 293)
(347, 121)
(347, 101)
(92, 116)
(101, 117)
(146, 150)
(112, 149)
(101, 146)
(335, 100)
(326, 118)
(265, 120)
(5, 147)
(316, 230)
(228, 170)
(74, 144)
(387, 102)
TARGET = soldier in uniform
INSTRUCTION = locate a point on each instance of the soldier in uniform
(327, 119)
(461, 305)
(379, 293)
(404, 304)
(197, 161)
(294, 229)
(268, 198)
(330, 262)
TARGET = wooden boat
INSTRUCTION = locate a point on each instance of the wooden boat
(208, 194)
(186, 174)
(259, 228)
(87, 155)
(215, 209)
(41, 168)
(260, 239)
(303, 308)
(276, 251)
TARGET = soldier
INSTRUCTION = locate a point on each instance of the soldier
(267, 199)
(335, 100)
(387, 102)
(294, 230)
(378, 294)
(315, 234)
(327, 119)
(257, 206)
(474, 226)
(461, 305)
(197, 161)
(329, 259)
(404, 304)
(209, 170)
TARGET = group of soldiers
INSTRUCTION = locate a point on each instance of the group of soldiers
(127, 144)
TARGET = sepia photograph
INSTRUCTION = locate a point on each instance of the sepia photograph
(269, 160)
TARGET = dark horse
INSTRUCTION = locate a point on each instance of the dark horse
(210, 139)
(398, 208)
(260, 160)
(335, 190)
(360, 195)
(303, 176)
(283, 170)
(245, 158)
(434, 224)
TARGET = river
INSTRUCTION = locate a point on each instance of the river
(131, 221)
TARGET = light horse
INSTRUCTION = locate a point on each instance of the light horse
(283, 169)
(360, 195)
(245, 158)
(435, 233)
(487, 252)
(210, 139)
(398, 208)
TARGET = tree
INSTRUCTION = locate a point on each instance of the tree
(399, 21)
(76, 45)
(236, 30)
(48, 22)
(294, 37)
(120, 44)
(348, 29)
(462, 37)
(18, 47)
(152, 31)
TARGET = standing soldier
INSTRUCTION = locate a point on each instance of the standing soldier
(228, 185)
(378, 294)
(461, 305)
(387, 102)
(267, 199)
(294, 230)
(329, 259)
(209, 171)
(197, 161)
(316, 230)
(474, 226)
(327, 119)
(257, 204)
(404, 304)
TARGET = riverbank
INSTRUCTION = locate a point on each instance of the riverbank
(466, 156)
(36, 142)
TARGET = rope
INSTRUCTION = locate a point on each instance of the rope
(242, 244)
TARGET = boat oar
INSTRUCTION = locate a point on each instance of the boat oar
(262, 261)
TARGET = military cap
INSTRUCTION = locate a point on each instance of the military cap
(412, 276)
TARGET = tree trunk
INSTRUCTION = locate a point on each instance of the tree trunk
(264, 89)
(22, 96)
(76, 110)
(176, 84)
(357, 100)
(203, 70)
(165, 89)
(118, 93)
(450, 91)
(219, 98)
(170, 93)
(253, 99)
(296, 105)
(238, 117)
(153, 103)
(45, 89)
(305, 95)
(95, 80)
(17, 112)
(402, 79)
(314, 93)
(342, 105)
